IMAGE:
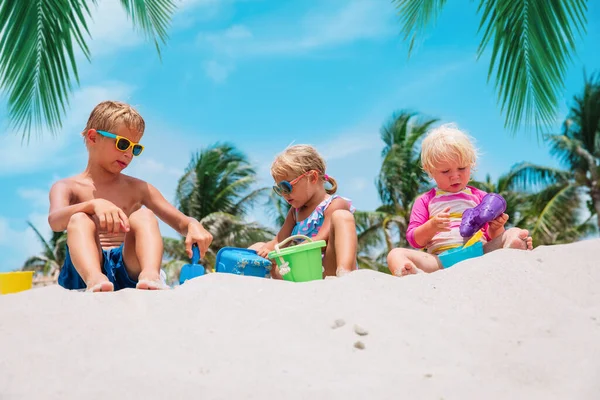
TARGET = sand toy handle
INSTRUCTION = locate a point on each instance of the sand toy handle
(278, 245)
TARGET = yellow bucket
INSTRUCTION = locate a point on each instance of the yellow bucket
(13, 282)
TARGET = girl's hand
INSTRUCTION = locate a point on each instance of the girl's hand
(441, 222)
(496, 227)
(197, 234)
(266, 249)
(110, 217)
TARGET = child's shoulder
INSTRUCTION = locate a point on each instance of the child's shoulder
(339, 202)
(477, 192)
(70, 182)
(427, 196)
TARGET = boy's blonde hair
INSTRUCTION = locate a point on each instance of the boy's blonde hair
(447, 143)
(109, 115)
(298, 159)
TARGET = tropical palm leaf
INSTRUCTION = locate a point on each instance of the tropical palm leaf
(37, 53)
(554, 210)
(532, 43)
(277, 208)
(534, 177)
(416, 16)
(152, 17)
(217, 179)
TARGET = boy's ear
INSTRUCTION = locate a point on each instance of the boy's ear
(92, 135)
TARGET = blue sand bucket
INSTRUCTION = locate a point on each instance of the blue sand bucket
(450, 257)
(234, 260)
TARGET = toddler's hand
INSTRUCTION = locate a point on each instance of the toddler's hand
(197, 234)
(441, 222)
(266, 249)
(498, 223)
(110, 217)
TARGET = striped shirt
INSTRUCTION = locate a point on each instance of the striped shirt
(433, 203)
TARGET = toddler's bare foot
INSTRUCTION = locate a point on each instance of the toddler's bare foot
(408, 268)
(518, 239)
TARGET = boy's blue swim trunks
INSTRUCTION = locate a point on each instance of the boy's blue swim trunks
(112, 266)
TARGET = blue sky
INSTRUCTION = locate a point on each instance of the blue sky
(263, 74)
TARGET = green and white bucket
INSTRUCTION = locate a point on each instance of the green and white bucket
(300, 263)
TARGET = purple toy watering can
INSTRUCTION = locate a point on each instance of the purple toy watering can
(491, 207)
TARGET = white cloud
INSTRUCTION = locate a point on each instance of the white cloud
(37, 197)
(355, 20)
(349, 144)
(216, 71)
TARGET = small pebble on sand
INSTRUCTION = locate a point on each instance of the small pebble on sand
(360, 330)
(338, 323)
(359, 345)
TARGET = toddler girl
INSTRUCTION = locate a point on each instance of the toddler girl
(448, 156)
(316, 212)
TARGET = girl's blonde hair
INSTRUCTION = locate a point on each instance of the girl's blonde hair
(109, 115)
(447, 143)
(298, 159)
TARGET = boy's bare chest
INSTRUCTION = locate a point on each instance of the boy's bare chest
(126, 198)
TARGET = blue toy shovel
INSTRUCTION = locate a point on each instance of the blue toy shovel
(193, 270)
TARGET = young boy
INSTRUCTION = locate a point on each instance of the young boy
(113, 239)
(448, 156)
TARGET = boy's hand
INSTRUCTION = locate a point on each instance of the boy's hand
(197, 234)
(441, 222)
(110, 217)
(496, 227)
(266, 249)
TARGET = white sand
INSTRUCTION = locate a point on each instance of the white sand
(510, 325)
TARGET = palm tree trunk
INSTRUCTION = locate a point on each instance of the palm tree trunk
(595, 194)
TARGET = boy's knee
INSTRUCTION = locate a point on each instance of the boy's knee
(80, 220)
(344, 216)
(143, 216)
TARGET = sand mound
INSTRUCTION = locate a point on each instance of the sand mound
(511, 324)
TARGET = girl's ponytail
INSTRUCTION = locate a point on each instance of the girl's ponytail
(333, 183)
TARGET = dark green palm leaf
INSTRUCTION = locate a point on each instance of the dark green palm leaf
(416, 16)
(532, 43)
(534, 177)
(37, 58)
(152, 17)
(48, 249)
(37, 53)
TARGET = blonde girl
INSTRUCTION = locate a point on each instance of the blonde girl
(315, 211)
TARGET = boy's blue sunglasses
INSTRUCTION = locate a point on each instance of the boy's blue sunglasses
(122, 143)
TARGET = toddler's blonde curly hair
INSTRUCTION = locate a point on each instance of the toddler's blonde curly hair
(447, 143)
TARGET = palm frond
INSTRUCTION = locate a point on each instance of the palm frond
(37, 53)
(416, 16)
(277, 208)
(152, 16)
(37, 58)
(48, 250)
(527, 176)
(532, 44)
(554, 209)
(583, 120)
